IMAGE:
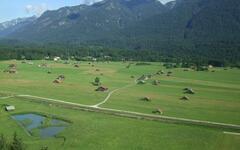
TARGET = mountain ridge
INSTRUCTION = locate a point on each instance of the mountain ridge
(197, 27)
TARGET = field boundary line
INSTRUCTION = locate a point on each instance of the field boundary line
(131, 114)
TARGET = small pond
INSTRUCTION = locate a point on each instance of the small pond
(39, 125)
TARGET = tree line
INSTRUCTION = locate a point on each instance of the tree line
(177, 54)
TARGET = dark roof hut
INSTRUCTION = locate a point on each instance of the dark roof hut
(169, 73)
(62, 77)
(189, 91)
(12, 69)
(76, 66)
(143, 77)
(185, 98)
(12, 66)
(141, 82)
(160, 72)
(59, 79)
(156, 82)
(102, 89)
(149, 76)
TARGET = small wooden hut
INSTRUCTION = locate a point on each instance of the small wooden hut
(185, 98)
(158, 111)
(102, 89)
(146, 98)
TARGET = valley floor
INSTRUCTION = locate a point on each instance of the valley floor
(216, 99)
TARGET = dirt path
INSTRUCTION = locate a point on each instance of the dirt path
(112, 92)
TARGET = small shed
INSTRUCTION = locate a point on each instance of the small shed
(143, 77)
(160, 72)
(76, 66)
(12, 66)
(12, 70)
(9, 108)
(189, 91)
(149, 76)
(56, 58)
(156, 82)
(59, 79)
(146, 98)
(158, 111)
(169, 73)
(141, 82)
(102, 89)
(185, 98)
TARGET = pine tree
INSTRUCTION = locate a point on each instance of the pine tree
(3, 143)
(97, 80)
(16, 143)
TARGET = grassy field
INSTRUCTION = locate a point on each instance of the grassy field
(216, 99)
(91, 130)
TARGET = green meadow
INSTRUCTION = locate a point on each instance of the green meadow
(216, 98)
(90, 130)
